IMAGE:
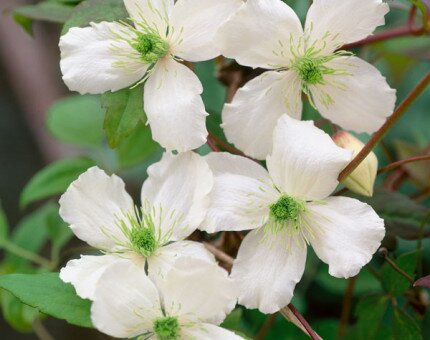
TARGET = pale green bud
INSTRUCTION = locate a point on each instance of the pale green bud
(362, 179)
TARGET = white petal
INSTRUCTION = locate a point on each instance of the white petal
(241, 195)
(93, 205)
(333, 23)
(90, 59)
(305, 162)
(152, 13)
(360, 101)
(257, 107)
(267, 269)
(85, 272)
(207, 331)
(126, 301)
(260, 33)
(180, 185)
(195, 24)
(196, 290)
(174, 107)
(346, 234)
(163, 260)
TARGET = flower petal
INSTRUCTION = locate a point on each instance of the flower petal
(195, 24)
(152, 13)
(207, 331)
(93, 204)
(260, 34)
(360, 101)
(241, 195)
(85, 272)
(180, 185)
(257, 107)
(174, 107)
(163, 260)
(196, 290)
(330, 25)
(305, 162)
(94, 60)
(267, 268)
(126, 301)
(347, 233)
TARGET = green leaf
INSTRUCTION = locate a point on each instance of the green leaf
(49, 295)
(95, 11)
(18, 315)
(404, 326)
(77, 120)
(403, 217)
(47, 11)
(3, 226)
(124, 110)
(369, 312)
(54, 179)
(394, 282)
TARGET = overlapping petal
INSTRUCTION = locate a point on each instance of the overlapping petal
(207, 331)
(346, 233)
(93, 206)
(241, 195)
(194, 24)
(174, 108)
(250, 119)
(95, 60)
(260, 34)
(305, 162)
(333, 23)
(267, 269)
(360, 100)
(177, 190)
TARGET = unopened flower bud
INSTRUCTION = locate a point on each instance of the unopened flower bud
(362, 179)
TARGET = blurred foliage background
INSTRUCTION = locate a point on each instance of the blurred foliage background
(49, 136)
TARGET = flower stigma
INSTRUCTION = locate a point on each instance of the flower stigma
(167, 328)
(151, 47)
(287, 209)
(143, 241)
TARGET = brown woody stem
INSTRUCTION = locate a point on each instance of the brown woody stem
(403, 162)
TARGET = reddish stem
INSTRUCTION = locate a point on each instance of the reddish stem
(403, 162)
(303, 321)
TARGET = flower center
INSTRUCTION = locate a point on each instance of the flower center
(310, 70)
(167, 328)
(143, 240)
(287, 209)
(151, 47)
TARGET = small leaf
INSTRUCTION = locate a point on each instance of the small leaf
(49, 295)
(404, 326)
(54, 179)
(394, 282)
(18, 315)
(370, 311)
(124, 110)
(423, 282)
(95, 11)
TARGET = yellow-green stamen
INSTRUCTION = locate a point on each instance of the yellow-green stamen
(167, 328)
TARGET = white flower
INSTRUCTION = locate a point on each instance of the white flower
(188, 304)
(345, 89)
(100, 212)
(109, 56)
(287, 207)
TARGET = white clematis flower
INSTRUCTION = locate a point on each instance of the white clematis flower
(345, 89)
(188, 304)
(101, 213)
(287, 208)
(109, 56)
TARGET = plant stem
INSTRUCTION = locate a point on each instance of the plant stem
(384, 253)
(402, 162)
(267, 325)
(346, 306)
(384, 129)
(304, 323)
(219, 254)
(25, 254)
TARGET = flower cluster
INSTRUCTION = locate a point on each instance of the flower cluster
(150, 281)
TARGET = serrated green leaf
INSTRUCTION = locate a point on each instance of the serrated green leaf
(404, 326)
(54, 179)
(394, 282)
(124, 111)
(77, 120)
(370, 312)
(49, 295)
(95, 11)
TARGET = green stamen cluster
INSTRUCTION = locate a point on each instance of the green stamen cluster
(143, 240)
(151, 47)
(310, 70)
(287, 209)
(167, 328)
